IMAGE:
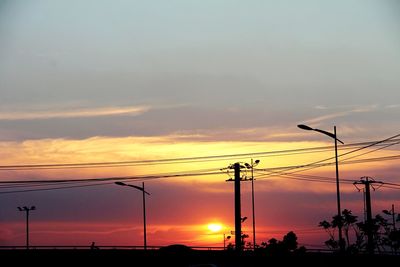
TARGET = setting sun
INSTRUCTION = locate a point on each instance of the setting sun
(214, 227)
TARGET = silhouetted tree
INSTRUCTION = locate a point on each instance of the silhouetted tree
(385, 235)
(287, 245)
(348, 221)
(328, 227)
(290, 241)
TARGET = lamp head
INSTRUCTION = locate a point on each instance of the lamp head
(120, 183)
(305, 127)
(33, 208)
(20, 209)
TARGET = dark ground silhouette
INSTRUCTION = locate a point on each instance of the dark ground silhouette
(176, 256)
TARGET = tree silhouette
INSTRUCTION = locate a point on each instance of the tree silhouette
(385, 235)
(287, 245)
(290, 241)
(349, 221)
(331, 242)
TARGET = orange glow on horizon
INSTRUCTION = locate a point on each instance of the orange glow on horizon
(214, 227)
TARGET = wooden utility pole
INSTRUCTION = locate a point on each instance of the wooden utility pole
(238, 218)
(367, 181)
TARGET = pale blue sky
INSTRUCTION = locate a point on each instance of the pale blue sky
(197, 64)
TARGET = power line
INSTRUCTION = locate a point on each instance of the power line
(76, 183)
(315, 164)
(300, 178)
(180, 174)
(26, 183)
(180, 160)
(144, 177)
(391, 187)
(109, 180)
(53, 188)
(392, 184)
(374, 150)
(292, 175)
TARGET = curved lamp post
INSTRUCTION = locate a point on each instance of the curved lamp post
(334, 136)
(27, 210)
(144, 208)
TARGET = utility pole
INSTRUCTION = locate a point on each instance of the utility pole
(365, 208)
(238, 219)
(368, 181)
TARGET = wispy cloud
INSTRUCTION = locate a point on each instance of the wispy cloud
(73, 113)
(320, 107)
(393, 106)
(360, 109)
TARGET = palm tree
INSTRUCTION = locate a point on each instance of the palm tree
(349, 221)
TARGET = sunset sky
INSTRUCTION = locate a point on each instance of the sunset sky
(111, 81)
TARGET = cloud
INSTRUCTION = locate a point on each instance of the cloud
(360, 109)
(320, 107)
(73, 113)
(393, 106)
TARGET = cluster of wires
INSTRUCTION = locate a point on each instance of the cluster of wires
(286, 172)
(292, 172)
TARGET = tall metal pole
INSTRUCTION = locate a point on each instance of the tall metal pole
(238, 222)
(252, 202)
(144, 208)
(339, 211)
(370, 244)
(144, 218)
(27, 228)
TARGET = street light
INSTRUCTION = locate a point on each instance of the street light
(27, 210)
(253, 164)
(334, 136)
(144, 208)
